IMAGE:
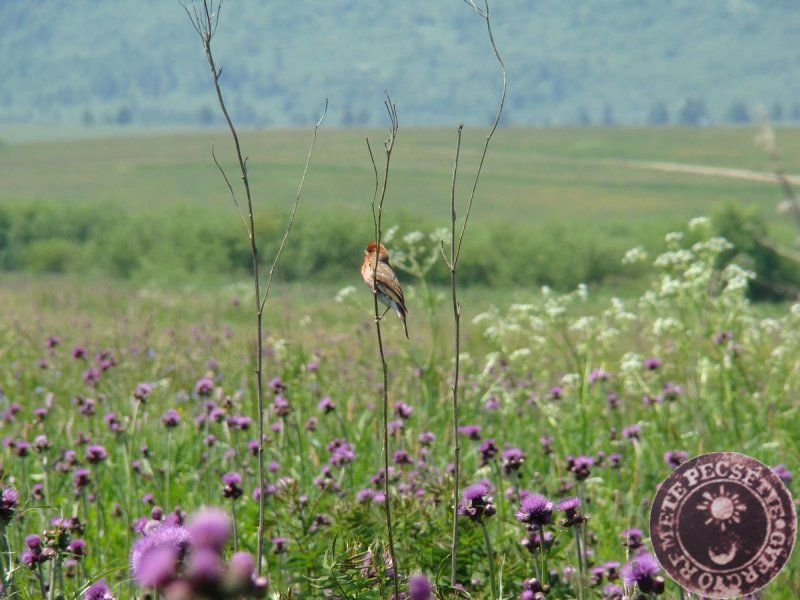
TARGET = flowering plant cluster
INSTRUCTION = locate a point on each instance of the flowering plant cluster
(117, 439)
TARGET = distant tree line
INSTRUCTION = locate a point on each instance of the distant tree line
(691, 112)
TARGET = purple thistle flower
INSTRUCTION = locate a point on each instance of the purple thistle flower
(204, 386)
(96, 454)
(492, 403)
(488, 450)
(477, 502)
(78, 352)
(230, 485)
(279, 544)
(98, 591)
(598, 375)
(472, 432)
(91, 376)
(512, 459)
(401, 457)
(170, 418)
(21, 448)
(556, 392)
(426, 438)
(642, 570)
(632, 432)
(675, 458)
(41, 443)
(111, 421)
(611, 591)
(8, 504)
(532, 589)
(210, 528)
(652, 364)
(205, 569)
(783, 473)
(276, 385)
(77, 547)
(341, 452)
(141, 392)
(632, 538)
(403, 410)
(671, 391)
(580, 466)
(242, 566)
(155, 556)
(535, 510)
(535, 541)
(326, 405)
(280, 406)
(81, 478)
(569, 506)
(240, 422)
(365, 495)
(419, 588)
(29, 558)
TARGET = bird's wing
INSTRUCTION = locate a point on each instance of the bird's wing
(390, 285)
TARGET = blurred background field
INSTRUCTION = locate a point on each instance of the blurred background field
(557, 207)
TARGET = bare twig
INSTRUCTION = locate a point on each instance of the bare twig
(294, 208)
(457, 350)
(377, 214)
(205, 20)
(485, 15)
(452, 264)
(230, 187)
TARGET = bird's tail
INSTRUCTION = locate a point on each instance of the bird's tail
(401, 312)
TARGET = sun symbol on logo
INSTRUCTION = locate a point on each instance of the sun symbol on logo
(722, 507)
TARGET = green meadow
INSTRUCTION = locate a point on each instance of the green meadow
(555, 206)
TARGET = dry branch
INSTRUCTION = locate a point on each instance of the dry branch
(205, 20)
(452, 264)
(377, 215)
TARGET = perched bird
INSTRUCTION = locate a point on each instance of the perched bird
(388, 286)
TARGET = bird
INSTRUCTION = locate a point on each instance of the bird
(389, 291)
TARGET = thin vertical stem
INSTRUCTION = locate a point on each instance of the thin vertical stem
(377, 214)
(452, 263)
(205, 23)
(42, 586)
(457, 360)
(579, 552)
(235, 527)
(490, 557)
(168, 469)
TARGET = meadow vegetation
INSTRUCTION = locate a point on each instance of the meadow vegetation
(126, 410)
(152, 208)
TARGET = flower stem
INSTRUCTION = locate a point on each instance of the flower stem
(577, 531)
(167, 468)
(490, 557)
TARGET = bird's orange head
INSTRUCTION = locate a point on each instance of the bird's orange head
(383, 253)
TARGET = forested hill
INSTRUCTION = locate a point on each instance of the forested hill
(569, 62)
